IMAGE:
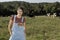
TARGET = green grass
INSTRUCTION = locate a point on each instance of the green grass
(38, 28)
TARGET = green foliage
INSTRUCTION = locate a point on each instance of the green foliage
(37, 8)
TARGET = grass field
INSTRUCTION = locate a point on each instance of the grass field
(38, 28)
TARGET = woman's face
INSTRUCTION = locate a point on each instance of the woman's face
(19, 11)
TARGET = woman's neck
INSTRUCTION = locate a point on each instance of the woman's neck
(19, 16)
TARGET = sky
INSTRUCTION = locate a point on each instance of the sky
(32, 1)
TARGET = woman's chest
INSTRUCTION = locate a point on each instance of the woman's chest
(18, 20)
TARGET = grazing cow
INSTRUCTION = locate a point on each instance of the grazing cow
(54, 15)
(48, 14)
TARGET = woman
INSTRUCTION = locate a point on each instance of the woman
(16, 26)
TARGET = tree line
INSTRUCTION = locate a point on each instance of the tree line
(30, 9)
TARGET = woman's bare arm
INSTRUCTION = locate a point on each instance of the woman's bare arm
(25, 24)
(10, 26)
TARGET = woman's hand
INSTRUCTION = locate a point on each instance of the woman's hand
(10, 33)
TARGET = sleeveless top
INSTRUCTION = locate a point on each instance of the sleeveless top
(16, 29)
(17, 19)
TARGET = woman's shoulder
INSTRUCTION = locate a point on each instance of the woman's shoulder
(11, 17)
(24, 17)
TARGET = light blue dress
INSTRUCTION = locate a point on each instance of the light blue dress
(17, 31)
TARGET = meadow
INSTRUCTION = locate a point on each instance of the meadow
(37, 28)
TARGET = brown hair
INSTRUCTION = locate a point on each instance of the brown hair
(20, 8)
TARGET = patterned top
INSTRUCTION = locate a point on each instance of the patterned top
(17, 19)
